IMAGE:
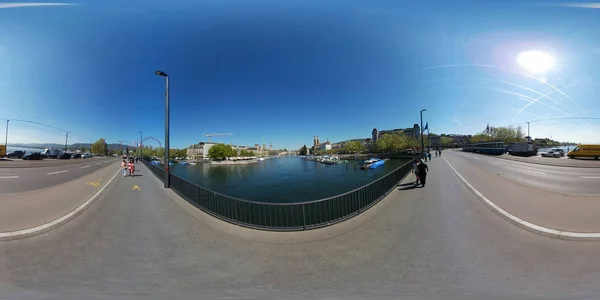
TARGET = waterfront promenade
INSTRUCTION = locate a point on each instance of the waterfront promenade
(432, 242)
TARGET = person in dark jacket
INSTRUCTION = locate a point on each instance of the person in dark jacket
(422, 172)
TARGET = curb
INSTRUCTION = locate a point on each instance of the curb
(533, 228)
(24, 233)
(549, 164)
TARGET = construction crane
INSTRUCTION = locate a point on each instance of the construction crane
(215, 134)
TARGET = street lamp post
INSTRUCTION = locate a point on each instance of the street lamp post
(167, 171)
(140, 145)
(422, 139)
(529, 137)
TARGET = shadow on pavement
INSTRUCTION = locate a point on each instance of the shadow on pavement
(410, 187)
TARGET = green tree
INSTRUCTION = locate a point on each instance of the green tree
(446, 141)
(507, 135)
(221, 151)
(100, 147)
(353, 147)
(303, 150)
(246, 153)
(391, 143)
(159, 152)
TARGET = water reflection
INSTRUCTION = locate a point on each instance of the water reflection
(287, 179)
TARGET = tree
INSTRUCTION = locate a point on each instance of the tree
(246, 153)
(508, 135)
(100, 147)
(353, 147)
(221, 151)
(392, 143)
(446, 141)
(303, 150)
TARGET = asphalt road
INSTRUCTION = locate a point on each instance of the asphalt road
(48, 162)
(437, 242)
(552, 161)
(566, 180)
(18, 180)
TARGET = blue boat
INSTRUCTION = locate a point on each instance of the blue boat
(372, 163)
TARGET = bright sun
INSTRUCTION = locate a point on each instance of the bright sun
(536, 62)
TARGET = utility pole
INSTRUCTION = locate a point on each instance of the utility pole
(529, 137)
(140, 146)
(6, 137)
(66, 140)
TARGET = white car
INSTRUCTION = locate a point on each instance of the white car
(554, 153)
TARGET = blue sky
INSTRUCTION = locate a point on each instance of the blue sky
(290, 70)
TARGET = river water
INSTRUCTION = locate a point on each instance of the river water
(282, 180)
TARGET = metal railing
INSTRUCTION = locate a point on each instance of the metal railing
(285, 216)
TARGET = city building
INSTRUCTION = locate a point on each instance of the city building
(413, 133)
(318, 146)
(199, 151)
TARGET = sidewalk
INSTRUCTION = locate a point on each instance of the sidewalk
(30, 209)
(559, 162)
(543, 208)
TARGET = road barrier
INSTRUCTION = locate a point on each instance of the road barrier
(285, 216)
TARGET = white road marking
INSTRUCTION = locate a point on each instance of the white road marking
(85, 166)
(590, 177)
(549, 232)
(63, 171)
(12, 235)
(97, 163)
(14, 177)
(530, 171)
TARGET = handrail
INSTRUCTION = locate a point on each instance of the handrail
(287, 203)
(286, 216)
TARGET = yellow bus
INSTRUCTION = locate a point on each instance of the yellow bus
(585, 150)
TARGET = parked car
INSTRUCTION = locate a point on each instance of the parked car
(16, 154)
(32, 156)
(76, 155)
(64, 156)
(561, 151)
(553, 153)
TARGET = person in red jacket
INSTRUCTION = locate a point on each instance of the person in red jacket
(131, 167)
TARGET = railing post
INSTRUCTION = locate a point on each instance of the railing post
(237, 219)
(304, 216)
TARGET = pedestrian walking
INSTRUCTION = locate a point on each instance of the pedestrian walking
(422, 172)
(415, 170)
(124, 167)
(131, 167)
